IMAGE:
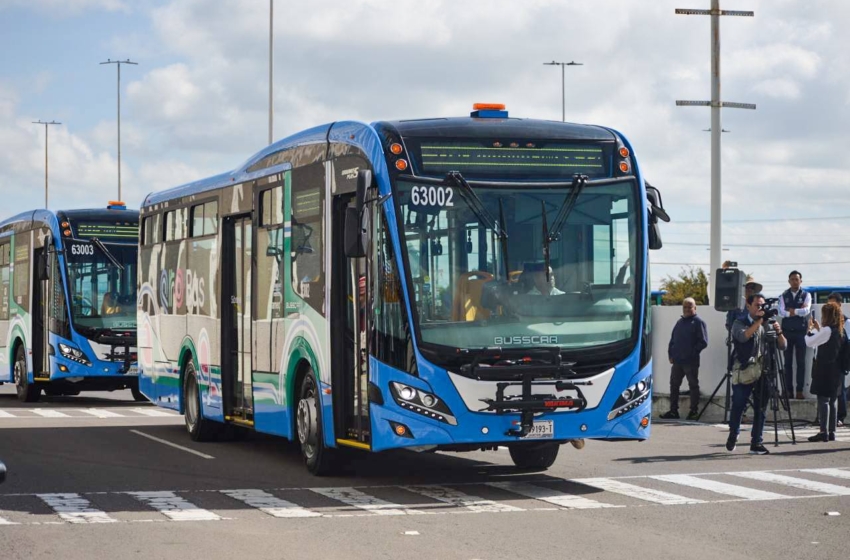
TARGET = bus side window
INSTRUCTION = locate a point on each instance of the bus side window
(307, 243)
(58, 309)
(5, 259)
(21, 276)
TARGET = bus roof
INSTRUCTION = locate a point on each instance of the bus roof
(50, 216)
(365, 136)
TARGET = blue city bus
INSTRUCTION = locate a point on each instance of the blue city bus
(434, 284)
(67, 301)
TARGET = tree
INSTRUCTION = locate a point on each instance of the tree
(690, 283)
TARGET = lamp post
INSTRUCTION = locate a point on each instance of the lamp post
(46, 125)
(271, 71)
(563, 94)
(118, 63)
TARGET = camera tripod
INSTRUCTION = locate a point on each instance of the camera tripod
(727, 380)
(773, 389)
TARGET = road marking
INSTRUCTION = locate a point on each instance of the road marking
(361, 500)
(73, 508)
(562, 499)
(174, 507)
(174, 445)
(795, 482)
(49, 413)
(460, 499)
(633, 491)
(720, 487)
(4, 414)
(4, 521)
(270, 504)
(101, 413)
(155, 412)
(837, 473)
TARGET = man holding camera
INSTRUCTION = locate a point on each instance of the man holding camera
(750, 334)
(795, 305)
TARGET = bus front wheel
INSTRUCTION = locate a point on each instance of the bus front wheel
(199, 428)
(535, 456)
(26, 392)
(308, 424)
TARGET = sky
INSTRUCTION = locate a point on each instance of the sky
(197, 102)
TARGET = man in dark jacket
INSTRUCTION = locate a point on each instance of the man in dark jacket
(689, 338)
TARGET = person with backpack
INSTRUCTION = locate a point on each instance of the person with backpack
(842, 394)
(828, 371)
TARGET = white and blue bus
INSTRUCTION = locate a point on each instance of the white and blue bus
(448, 283)
(68, 301)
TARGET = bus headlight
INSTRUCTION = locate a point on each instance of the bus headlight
(631, 398)
(421, 402)
(74, 354)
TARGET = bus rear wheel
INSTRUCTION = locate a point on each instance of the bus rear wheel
(137, 395)
(199, 428)
(308, 424)
(535, 456)
(26, 392)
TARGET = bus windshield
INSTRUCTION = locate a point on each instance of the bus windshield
(103, 296)
(472, 291)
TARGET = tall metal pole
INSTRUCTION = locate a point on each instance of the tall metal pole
(716, 130)
(119, 63)
(46, 125)
(716, 205)
(271, 71)
(563, 84)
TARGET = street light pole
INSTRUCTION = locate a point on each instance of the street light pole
(271, 71)
(46, 124)
(118, 63)
(563, 86)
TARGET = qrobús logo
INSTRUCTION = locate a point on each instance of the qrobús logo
(526, 340)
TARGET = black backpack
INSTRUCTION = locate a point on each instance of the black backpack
(844, 355)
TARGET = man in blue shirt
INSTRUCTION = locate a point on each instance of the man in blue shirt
(689, 338)
(795, 306)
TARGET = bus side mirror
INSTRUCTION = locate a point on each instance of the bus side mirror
(353, 236)
(2, 472)
(656, 212)
(364, 181)
(43, 266)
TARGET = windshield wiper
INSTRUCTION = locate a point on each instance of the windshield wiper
(99, 244)
(480, 211)
(554, 234)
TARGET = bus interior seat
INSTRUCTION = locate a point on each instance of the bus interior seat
(466, 305)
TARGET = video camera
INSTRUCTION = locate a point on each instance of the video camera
(769, 311)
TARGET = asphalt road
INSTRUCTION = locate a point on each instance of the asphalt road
(99, 476)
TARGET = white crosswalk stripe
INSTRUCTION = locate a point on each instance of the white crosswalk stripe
(174, 507)
(101, 413)
(634, 491)
(154, 412)
(361, 500)
(4, 414)
(720, 487)
(73, 508)
(795, 482)
(49, 413)
(617, 492)
(270, 504)
(461, 499)
(562, 499)
(72, 413)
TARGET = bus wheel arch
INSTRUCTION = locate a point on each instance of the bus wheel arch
(199, 428)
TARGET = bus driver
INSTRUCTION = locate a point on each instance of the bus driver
(541, 286)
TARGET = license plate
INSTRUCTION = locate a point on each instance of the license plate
(134, 370)
(543, 429)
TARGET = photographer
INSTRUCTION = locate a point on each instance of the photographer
(828, 373)
(751, 335)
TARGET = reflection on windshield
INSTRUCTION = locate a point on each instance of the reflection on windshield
(102, 295)
(466, 297)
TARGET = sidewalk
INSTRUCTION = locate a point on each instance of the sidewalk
(805, 409)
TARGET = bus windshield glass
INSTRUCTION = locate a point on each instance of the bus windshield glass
(473, 289)
(102, 289)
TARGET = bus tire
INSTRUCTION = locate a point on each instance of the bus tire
(308, 426)
(138, 396)
(538, 456)
(199, 428)
(26, 392)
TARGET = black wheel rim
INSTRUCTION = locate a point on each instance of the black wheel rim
(307, 422)
(20, 372)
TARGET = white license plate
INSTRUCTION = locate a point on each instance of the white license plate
(543, 429)
(134, 370)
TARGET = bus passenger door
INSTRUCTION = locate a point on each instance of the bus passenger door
(40, 311)
(236, 320)
(349, 325)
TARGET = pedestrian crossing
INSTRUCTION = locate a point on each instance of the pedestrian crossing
(512, 497)
(87, 413)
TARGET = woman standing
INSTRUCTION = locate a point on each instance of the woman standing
(827, 374)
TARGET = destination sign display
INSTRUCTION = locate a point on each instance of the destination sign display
(126, 231)
(511, 160)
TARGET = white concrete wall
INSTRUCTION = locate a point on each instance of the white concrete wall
(712, 359)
